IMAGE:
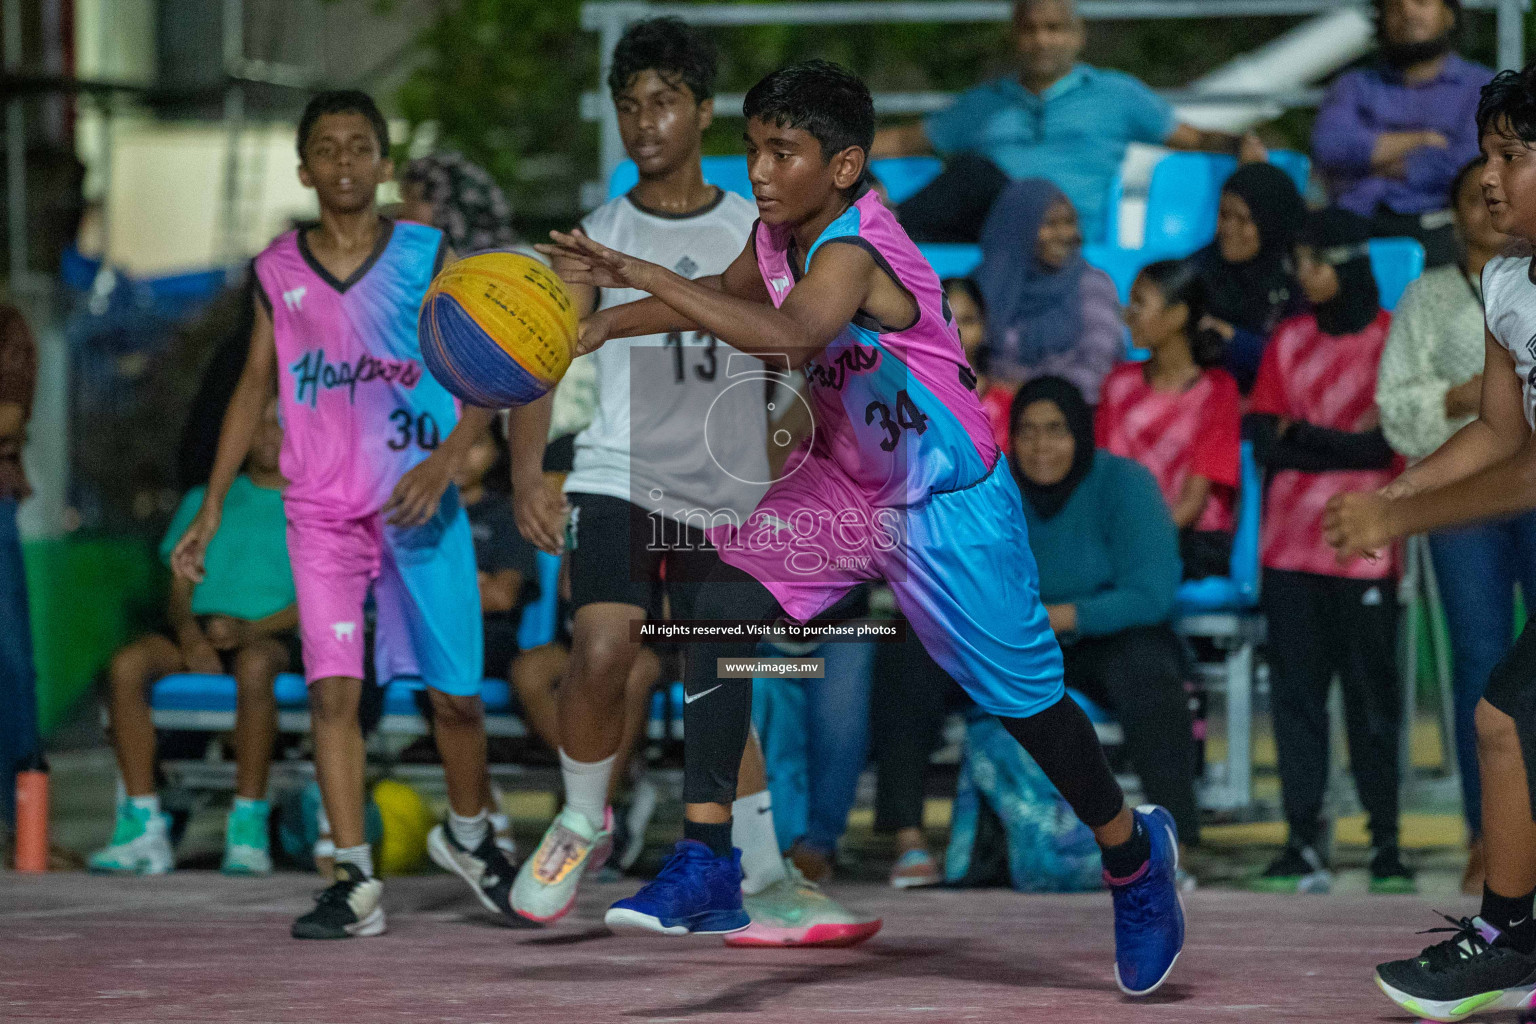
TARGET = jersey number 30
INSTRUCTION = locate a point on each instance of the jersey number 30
(420, 430)
(908, 417)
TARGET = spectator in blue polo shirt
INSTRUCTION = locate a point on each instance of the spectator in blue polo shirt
(1391, 137)
(1058, 119)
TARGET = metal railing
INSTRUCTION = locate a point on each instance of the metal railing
(610, 19)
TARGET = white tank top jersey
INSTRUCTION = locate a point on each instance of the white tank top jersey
(681, 423)
(1510, 307)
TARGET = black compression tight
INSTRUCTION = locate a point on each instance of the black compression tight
(1063, 743)
(717, 716)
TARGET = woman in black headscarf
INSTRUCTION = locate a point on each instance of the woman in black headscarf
(1340, 239)
(1315, 429)
(1108, 559)
(1249, 273)
(461, 199)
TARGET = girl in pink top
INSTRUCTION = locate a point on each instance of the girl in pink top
(1177, 413)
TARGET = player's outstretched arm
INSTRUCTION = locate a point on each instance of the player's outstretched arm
(817, 310)
(1485, 471)
(539, 509)
(240, 421)
(653, 316)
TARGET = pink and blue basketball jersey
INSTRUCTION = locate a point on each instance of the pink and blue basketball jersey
(895, 406)
(902, 481)
(359, 411)
(359, 408)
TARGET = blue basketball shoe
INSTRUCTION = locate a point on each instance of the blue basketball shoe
(696, 893)
(1149, 918)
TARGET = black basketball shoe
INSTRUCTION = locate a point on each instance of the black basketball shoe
(353, 906)
(1468, 973)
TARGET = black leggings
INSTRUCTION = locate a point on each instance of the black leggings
(912, 697)
(1137, 675)
(717, 715)
(1320, 626)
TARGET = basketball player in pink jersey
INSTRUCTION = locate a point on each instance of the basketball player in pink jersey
(900, 480)
(638, 480)
(371, 443)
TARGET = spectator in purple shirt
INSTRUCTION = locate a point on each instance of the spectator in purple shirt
(1391, 137)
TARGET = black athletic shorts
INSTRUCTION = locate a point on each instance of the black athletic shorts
(1512, 689)
(621, 553)
(500, 644)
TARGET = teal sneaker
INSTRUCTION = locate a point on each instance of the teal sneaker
(140, 845)
(246, 845)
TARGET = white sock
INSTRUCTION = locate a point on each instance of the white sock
(752, 832)
(149, 803)
(360, 857)
(494, 807)
(468, 832)
(586, 786)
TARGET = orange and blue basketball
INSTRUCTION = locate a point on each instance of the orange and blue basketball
(498, 329)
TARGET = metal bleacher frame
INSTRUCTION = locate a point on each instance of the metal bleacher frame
(610, 18)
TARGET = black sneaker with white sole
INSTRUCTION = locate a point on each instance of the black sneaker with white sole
(485, 868)
(351, 907)
(1471, 972)
(1297, 869)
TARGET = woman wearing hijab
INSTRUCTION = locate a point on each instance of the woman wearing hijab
(1249, 273)
(1315, 428)
(1108, 557)
(1429, 387)
(1048, 312)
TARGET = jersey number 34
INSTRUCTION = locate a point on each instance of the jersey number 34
(908, 417)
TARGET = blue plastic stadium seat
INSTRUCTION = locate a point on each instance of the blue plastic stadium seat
(193, 691)
(951, 259)
(290, 691)
(1396, 263)
(726, 172)
(400, 696)
(497, 696)
(905, 176)
(1122, 265)
(1240, 589)
(537, 627)
(1185, 191)
(196, 691)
